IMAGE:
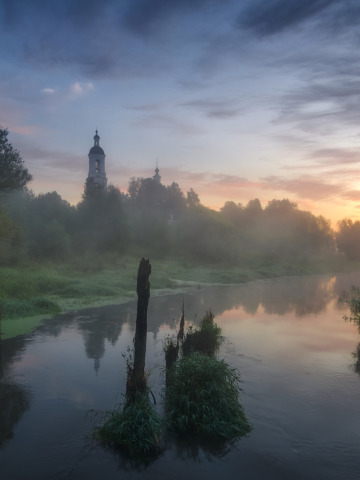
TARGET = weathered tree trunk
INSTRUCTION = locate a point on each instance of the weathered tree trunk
(136, 381)
(180, 336)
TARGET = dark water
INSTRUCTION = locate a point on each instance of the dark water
(288, 339)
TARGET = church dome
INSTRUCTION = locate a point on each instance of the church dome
(96, 150)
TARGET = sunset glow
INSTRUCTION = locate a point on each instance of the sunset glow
(237, 100)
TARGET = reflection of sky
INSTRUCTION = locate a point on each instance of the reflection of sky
(289, 337)
(301, 393)
(236, 99)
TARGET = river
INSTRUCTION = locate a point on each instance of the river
(287, 337)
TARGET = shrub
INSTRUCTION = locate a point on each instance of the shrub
(136, 428)
(202, 397)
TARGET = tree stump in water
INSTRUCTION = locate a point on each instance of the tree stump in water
(136, 381)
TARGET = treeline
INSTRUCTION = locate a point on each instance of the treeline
(152, 219)
(155, 220)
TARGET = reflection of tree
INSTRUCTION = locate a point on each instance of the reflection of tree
(301, 295)
(192, 448)
(14, 400)
(356, 356)
(280, 296)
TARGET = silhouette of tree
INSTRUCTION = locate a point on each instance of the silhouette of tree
(13, 175)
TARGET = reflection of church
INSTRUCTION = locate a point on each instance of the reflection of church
(97, 172)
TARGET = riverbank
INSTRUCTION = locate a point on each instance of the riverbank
(34, 292)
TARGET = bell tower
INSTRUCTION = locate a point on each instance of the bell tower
(97, 163)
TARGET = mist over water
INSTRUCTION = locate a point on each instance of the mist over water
(287, 337)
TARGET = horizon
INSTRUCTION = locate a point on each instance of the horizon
(257, 100)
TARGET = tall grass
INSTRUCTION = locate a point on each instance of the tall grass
(134, 428)
(202, 397)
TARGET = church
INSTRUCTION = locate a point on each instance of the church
(97, 163)
(97, 172)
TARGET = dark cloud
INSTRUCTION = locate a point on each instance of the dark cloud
(144, 16)
(322, 106)
(274, 16)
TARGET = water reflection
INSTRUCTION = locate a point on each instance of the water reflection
(285, 336)
(14, 398)
(199, 450)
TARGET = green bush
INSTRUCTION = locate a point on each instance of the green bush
(202, 397)
(136, 428)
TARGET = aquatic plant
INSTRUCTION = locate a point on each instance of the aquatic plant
(135, 428)
(205, 339)
(202, 397)
(352, 298)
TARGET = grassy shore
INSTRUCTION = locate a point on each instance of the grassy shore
(33, 292)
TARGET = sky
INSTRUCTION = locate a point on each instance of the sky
(235, 99)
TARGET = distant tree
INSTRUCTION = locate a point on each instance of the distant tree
(233, 212)
(13, 174)
(147, 194)
(348, 238)
(101, 223)
(282, 207)
(253, 211)
(175, 199)
(48, 222)
(192, 198)
(93, 191)
(11, 237)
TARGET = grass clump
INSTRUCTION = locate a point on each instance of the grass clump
(136, 428)
(352, 298)
(205, 339)
(202, 397)
(27, 307)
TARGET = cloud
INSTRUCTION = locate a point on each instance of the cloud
(168, 123)
(306, 186)
(144, 16)
(79, 89)
(322, 106)
(48, 91)
(336, 156)
(275, 16)
(219, 108)
(353, 195)
(230, 180)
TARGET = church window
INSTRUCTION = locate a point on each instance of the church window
(97, 166)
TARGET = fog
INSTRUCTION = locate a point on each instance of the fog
(154, 220)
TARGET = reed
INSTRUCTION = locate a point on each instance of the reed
(134, 428)
(202, 397)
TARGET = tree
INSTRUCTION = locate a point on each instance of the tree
(13, 174)
(192, 198)
(348, 238)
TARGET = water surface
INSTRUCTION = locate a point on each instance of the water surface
(287, 337)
